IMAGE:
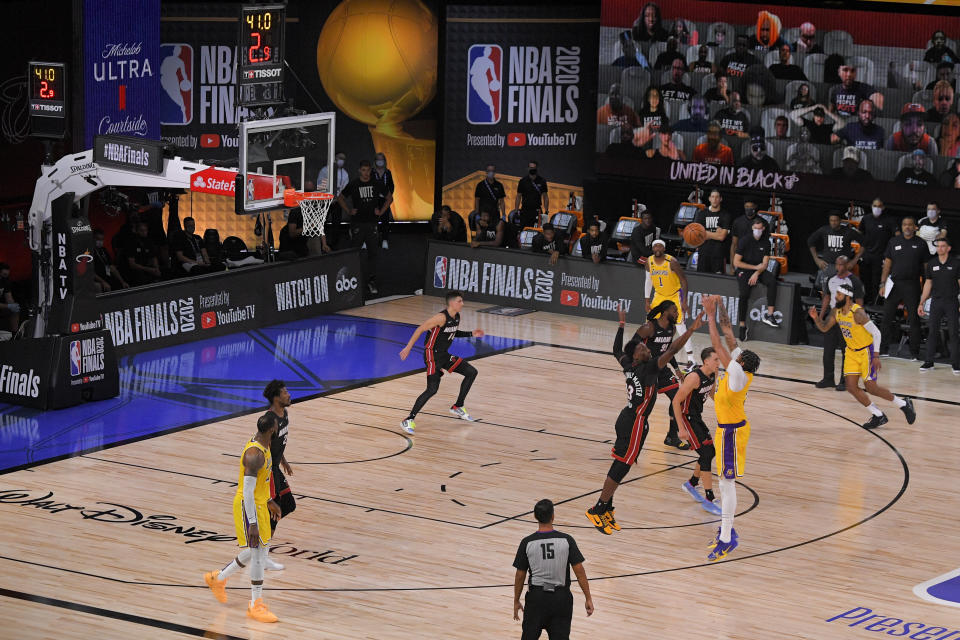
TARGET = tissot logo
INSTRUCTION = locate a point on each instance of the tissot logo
(569, 298)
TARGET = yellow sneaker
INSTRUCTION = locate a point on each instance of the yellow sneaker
(611, 521)
(599, 521)
(219, 587)
(259, 612)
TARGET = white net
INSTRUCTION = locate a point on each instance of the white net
(313, 206)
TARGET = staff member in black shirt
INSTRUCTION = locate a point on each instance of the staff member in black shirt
(107, 275)
(490, 195)
(188, 251)
(593, 246)
(877, 228)
(549, 241)
(366, 195)
(547, 556)
(942, 288)
(642, 237)
(141, 254)
(903, 263)
(750, 261)
(743, 227)
(532, 197)
(447, 225)
(829, 241)
(717, 223)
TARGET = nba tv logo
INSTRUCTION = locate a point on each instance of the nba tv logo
(75, 358)
(440, 273)
(176, 80)
(484, 83)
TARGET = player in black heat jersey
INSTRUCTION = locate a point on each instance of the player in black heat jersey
(279, 398)
(658, 334)
(641, 370)
(441, 329)
(696, 387)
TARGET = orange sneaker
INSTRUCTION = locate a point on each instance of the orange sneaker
(259, 612)
(219, 587)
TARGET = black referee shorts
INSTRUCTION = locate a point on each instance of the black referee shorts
(550, 610)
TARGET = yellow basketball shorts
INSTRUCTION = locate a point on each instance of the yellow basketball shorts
(730, 443)
(675, 298)
(859, 363)
(241, 523)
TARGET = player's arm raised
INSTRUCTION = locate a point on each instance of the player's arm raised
(252, 463)
(710, 304)
(677, 344)
(434, 321)
(824, 325)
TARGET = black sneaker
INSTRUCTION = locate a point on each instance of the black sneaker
(743, 333)
(770, 320)
(909, 412)
(825, 383)
(841, 386)
(676, 442)
(926, 366)
(875, 422)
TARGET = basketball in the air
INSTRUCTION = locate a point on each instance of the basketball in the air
(694, 234)
(377, 59)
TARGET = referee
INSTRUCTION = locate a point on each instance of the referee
(942, 287)
(548, 555)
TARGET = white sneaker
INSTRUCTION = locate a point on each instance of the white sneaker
(461, 413)
(408, 425)
(385, 244)
(270, 565)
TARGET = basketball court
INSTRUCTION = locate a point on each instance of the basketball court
(395, 536)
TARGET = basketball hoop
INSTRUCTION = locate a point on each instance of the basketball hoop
(314, 206)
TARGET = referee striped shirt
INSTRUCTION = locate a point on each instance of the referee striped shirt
(548, 556)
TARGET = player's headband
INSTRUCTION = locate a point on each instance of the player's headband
(658, 241)
(845, 291)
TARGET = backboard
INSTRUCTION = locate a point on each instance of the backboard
(284, 153)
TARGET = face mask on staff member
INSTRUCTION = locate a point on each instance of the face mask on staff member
(757, 233)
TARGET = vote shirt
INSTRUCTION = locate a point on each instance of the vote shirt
(736, 63)
(861, 137)
(847, 100)
(711, 221)
(366, 197)
(731, 120)
(834, 242)
(907, 257)
(679, 92)
(944, 276)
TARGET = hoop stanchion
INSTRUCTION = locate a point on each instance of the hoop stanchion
(314, 206)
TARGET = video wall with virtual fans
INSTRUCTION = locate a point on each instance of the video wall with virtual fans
(776, 97)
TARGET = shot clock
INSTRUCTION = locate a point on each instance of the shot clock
(260, 54)
(47, 97)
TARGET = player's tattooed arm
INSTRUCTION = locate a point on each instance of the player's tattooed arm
(824, 325)
(860, 316)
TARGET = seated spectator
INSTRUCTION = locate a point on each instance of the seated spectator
(733, 119)
(759, 86)
(785, 69)
(106, 274)
(913, 134)
(950, 179)
(807, 42)
(713, 150)
(804, 157)
(667, 149)
(781, 128)
(847, 96)
(593, 245)
(625, 147)
(9, 308)
(648, 27)
(949, 141)
(940, 52)
(719, 92)
(864, 133)
(642, 237)
(665, 59)
(293, 244)
(685, 32)
(915, 171)
(849, 168)
(944, 74)
(630, 54)
(735, 63)
(697, 122)
(675, 89)
(616, 111)
(448, 225)
(550, 242)
(803, 97)
(720, 37)
(942, 102)
(142, 266)
(702, 64)
(652, 116)
(189, 256)
(768, 33)
(820, 130)
(489, 232)
(758, 158)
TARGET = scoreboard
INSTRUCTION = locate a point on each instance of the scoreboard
(260, 54)
(47, 96)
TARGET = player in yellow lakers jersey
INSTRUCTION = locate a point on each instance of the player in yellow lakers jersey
(667, 281)
(733, 428)
(862, 357)
(252, 509)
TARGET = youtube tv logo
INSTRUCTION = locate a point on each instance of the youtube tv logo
(516, 139)
(569, 298)
(209, 140)
(208, 320)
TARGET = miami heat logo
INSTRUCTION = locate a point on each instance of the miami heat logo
(82, 261)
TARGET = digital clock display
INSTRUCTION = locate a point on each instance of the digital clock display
(261, 38)
(47, 86)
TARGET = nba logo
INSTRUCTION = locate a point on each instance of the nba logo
(484, 77)
(943, 589)
(440, 273)
(75, 357)
(176, 80)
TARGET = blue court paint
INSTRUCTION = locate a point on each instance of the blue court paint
(210, 379)
(944, 589)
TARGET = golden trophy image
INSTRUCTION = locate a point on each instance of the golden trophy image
(377, 60)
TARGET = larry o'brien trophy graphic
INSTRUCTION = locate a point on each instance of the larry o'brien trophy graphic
(377, 60)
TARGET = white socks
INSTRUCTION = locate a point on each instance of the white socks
(239, 562)
(256, 573)
(900, 402)
(875, 410)
(728, 506)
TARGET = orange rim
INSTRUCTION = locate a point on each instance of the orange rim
(292, 198)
